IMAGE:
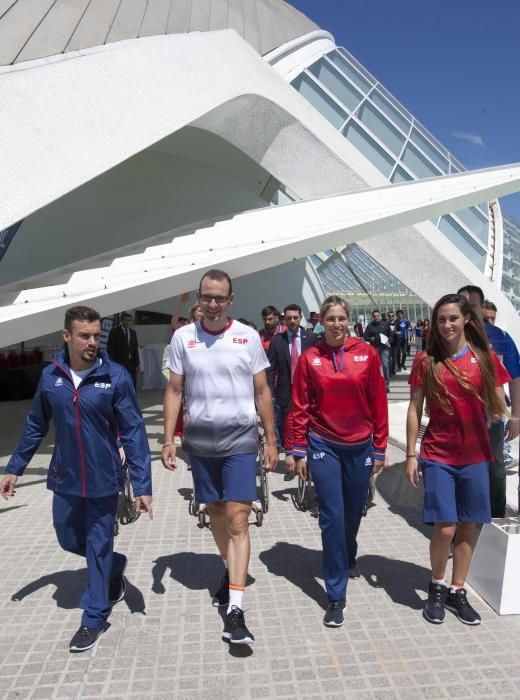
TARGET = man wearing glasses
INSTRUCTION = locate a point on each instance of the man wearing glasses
(221, 366)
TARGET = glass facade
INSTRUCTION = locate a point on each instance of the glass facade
(366, 284)
(511, 270)
(390, 138)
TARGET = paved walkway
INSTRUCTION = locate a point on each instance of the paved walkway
(164, 640)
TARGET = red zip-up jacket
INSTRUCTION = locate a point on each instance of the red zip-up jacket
(339, 394)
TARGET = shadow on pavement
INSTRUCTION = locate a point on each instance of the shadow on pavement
(4, 510)
(70, 585)
(299, 565)
(400, 579)
(284, 494)
(194, 571)
(402, 498)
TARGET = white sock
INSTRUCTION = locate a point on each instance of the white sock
(438, 581)
(236, 593)
(455, 588)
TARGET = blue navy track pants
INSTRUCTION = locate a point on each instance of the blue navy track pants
(340, 475)
(85, 526)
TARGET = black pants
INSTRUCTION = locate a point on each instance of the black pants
(403, 347)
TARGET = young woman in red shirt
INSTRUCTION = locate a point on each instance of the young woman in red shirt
(339, 423)
(460, 379)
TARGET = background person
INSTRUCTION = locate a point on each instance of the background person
(270, 319)
(339, 421)
(489, 312)
(91, 401)
(401, 331)
(460, 380)
(378, 333)
(123, 347)
(283, 354)
(425, 332)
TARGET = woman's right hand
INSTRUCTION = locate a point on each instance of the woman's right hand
(412, 470)
(300, 467)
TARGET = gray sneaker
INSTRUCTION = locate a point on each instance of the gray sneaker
(235, 630)
(334, 613)
(457, 602)
(84, 639)
(433, 610)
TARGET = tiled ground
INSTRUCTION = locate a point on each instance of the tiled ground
(164, 640)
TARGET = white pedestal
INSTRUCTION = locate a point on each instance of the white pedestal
(495, 567)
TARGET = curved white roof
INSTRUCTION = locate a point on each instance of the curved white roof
(40, 28)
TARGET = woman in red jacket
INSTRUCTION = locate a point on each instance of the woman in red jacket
(339, 422)
(460, 379)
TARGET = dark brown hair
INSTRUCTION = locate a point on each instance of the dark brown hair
(80, 313)
(218, 275)
(437, 355)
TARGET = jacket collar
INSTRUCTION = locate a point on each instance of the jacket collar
(62, 360)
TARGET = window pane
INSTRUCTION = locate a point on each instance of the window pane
(462, 241)
(429, 150)
(361, 68)
(456, 165)
(476, 222)
(395, 103)
(337, 84)
(400, 175)
(430, 137)
(319, 99)
(348, 69)
(417, 163)
(382, 128)
(390, 111)
(369, 148)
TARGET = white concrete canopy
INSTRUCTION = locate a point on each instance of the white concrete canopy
(257, 240)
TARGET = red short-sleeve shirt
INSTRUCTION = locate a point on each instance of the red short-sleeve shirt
(462, 437)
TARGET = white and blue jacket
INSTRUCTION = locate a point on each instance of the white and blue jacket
(87, 423)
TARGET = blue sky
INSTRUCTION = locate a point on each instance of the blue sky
(454, 64)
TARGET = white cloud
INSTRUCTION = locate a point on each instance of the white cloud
(475, 139)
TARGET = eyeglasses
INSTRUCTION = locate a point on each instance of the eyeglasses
(208, 298)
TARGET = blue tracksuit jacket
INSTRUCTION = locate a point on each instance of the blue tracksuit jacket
(87, 422)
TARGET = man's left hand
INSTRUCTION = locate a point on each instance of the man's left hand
(143, 504)
(270, 457)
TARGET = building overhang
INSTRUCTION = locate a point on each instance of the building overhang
(254, 241)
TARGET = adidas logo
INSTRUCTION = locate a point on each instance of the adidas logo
(58, 382)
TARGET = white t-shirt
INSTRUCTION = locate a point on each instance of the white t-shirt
(79, 375)
(218, 370)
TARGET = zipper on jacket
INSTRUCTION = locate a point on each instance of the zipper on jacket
(80, 444)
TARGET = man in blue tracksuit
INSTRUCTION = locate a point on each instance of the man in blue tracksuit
(93, 405)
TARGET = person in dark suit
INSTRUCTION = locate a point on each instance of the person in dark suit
(123, 348)
(283, 354)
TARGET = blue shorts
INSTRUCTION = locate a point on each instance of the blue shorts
(454, 494)
(231, 478)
